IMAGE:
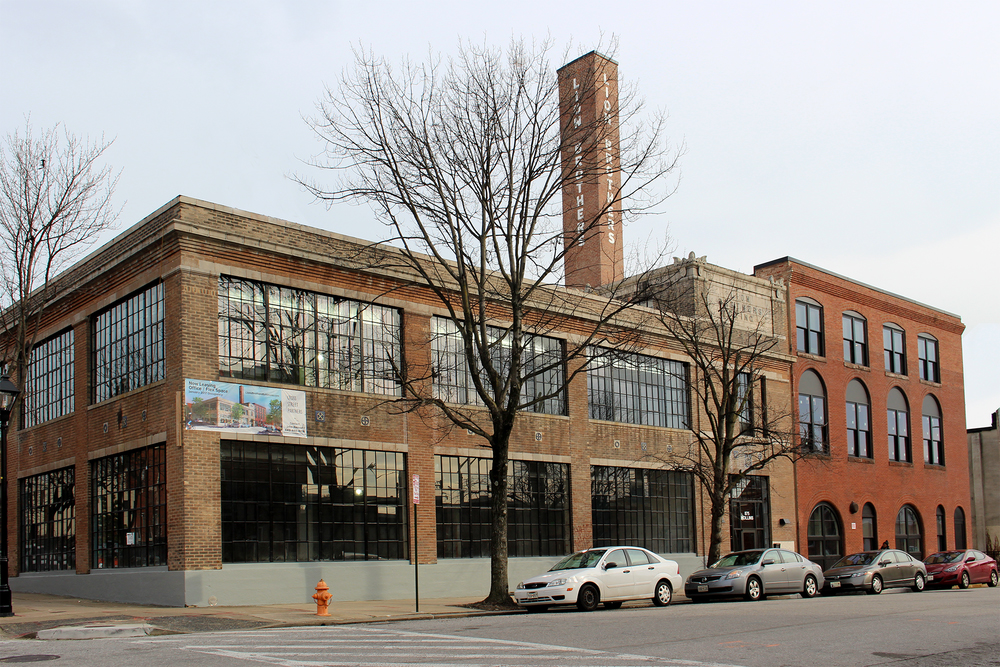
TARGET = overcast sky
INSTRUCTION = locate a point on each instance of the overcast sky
(862, 137)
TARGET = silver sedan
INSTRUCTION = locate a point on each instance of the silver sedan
(756, 574)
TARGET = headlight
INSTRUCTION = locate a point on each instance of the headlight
(857, 575)
(735, 574)
(520, 585)
(558, 582)
(951, 569)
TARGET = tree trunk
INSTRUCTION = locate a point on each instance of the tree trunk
(499, 591)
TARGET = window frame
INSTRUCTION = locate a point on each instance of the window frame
(928, 358)
(859, 431)
(855, 350)
(900, 447)
(809, 336)
(632, 388)
(50, 380)
(815, 407)
(894, 348)
(651, 508)
(128, 346)
(47, 521)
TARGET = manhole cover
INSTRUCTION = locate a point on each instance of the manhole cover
(29, 658)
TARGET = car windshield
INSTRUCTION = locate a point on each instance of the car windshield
(738, 559)
(863, 558)
(579, 560)
(945, 557)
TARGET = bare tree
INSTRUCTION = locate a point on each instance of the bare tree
(55, 201)
(465, 163)
(727, 331)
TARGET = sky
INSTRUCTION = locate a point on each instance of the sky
(861, 137)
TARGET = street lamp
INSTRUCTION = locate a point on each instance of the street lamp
(8, 394)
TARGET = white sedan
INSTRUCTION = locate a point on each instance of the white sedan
(610, 575)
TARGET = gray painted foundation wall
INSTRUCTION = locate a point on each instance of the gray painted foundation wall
(287, 583)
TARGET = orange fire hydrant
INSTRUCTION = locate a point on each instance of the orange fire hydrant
(322, 597)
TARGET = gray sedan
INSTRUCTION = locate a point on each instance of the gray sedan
(756, 574)
(872, 571)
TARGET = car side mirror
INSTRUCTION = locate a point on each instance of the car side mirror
(610, 564)
(970, 559)
(883, 563)
(767, 562)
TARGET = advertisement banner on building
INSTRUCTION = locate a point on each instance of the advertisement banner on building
(237, 408)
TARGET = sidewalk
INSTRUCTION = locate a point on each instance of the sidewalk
(52, 616)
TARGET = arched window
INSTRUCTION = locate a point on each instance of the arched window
(908, 535)
(869, 528)
(859, 437)
(855, 338)
(942, 537)
(825, 542)
(894, 344)
(812, 413)
(933, 444)
(960, 542)
(927, 356)
(898, 426)
(809, 326)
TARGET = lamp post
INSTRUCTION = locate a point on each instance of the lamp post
(8, 395)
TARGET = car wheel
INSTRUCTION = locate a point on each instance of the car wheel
(755, 591)
(613, 605)
(919, 582)
(876, 585)
(663, 594)
(589, 598)
(994, 578)
(810, 588)
(964, 581)
(536, 608)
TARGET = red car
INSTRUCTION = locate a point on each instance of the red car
(962, 568)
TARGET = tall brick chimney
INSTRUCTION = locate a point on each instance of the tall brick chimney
(588, 107)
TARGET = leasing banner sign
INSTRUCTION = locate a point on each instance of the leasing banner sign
(240, 408)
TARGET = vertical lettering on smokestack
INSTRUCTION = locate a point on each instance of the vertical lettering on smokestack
(588, 106)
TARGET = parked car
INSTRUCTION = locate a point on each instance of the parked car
(609, 575)
(756, 574)
(962, 568)
(873, 571)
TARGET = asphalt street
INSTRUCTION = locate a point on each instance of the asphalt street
(899, 628)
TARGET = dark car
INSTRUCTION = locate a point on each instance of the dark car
(756, 574)
(962, 568)
(872, 571)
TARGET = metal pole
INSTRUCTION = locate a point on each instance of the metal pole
(6, 600)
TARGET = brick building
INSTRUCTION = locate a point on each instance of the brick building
(984, 472)
(207, 419)
(888, 424)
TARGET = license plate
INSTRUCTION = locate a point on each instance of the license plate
(702, 588)
(532, 594)
(834, 584)
(930, 577)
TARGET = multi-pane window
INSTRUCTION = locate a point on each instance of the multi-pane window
(637, 389)
(128, 347)
(812, 413)
(855, 339)
(942, 537)
(543, 368)
(48, 390)
(653, 509)
(927, 355)
(933, 442)
(898, 427)
(894, 344)
(48, 521)
(859, 440)
(292, 336)
(128, 499)
(826, 542)
(744, 395)
(538, 519)
(809, 327)
(293, 503)
(908, 533)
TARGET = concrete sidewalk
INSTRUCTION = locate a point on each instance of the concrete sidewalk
(54, 617)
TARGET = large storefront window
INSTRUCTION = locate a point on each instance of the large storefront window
(750, 514)
(287, 503)
(49, 391)
(129, 509)
(637, 389)
(642, 507)
(538, 521)
(128, 347)
(292, 336)
(542, 360)
(48, 521)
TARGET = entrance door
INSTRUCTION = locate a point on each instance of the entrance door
(750, 514)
